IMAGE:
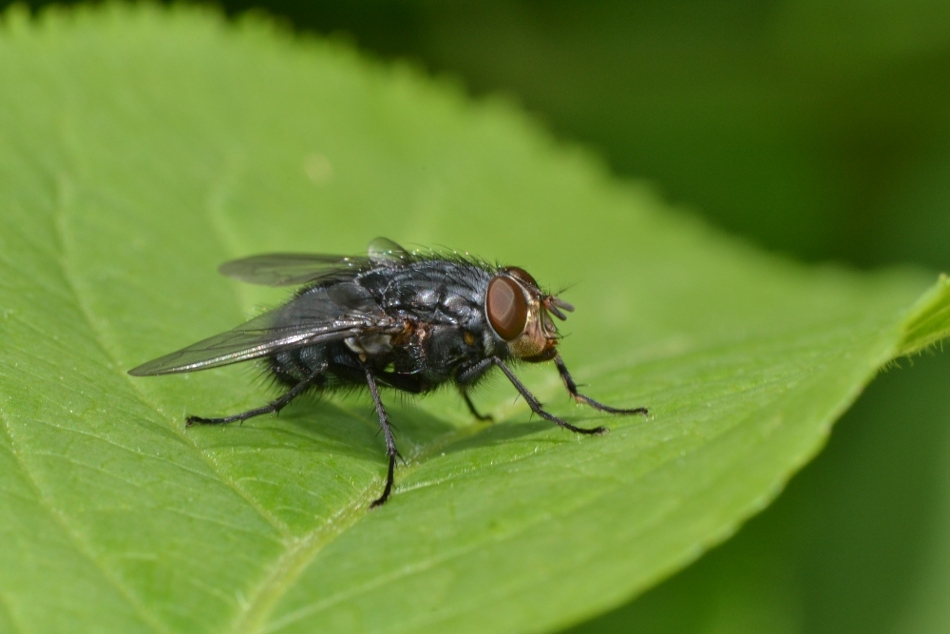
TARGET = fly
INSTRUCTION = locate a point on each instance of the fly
(394, 319)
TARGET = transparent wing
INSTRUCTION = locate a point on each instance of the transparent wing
(289, 269)
(294, 269)
(385, 251)
(319, 315)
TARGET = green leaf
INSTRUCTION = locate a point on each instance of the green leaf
(141, 147)
(856, 542)
(929, 321)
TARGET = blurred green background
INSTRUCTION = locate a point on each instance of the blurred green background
(820, 129)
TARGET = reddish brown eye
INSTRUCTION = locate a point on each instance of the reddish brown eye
(506, 307)
(519, 273)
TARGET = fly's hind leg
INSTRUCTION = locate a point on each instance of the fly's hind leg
(274, 406)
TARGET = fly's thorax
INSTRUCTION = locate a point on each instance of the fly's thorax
(438, 291)
(518, 313)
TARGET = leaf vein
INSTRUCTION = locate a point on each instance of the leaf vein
(78, 542)
(100, 342)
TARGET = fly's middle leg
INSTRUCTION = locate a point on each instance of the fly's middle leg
(466, 377)
(473, 409)
(384, 423)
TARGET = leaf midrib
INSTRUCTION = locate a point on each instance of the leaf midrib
(255, 623)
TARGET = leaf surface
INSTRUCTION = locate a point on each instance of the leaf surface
(139, 148)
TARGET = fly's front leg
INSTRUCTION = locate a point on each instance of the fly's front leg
(387, 433)
(536, 406)
(580, 398)
(273, 406)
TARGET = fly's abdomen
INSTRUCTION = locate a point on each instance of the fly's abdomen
(293, 366)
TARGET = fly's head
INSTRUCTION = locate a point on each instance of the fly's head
(519, 312)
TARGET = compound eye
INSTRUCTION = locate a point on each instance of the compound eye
(507, 308)
(520, 274)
